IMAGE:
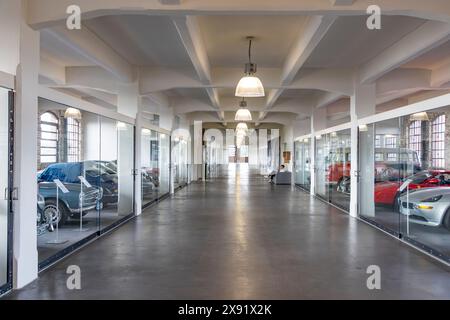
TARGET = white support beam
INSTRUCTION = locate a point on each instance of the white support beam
(430, 35)
(342, 2)
(189, 32)
(95, 50)
(45, 13)
(312, 32)
(170, 2)
(441, 76)
(328, 98)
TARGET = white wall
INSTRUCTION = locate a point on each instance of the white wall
(10, 17)
(3, 183)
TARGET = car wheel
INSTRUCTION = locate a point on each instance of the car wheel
(446, 220)
(51, 213)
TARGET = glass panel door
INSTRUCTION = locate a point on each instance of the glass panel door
(339, 169)
(322, 166)
(5, 185)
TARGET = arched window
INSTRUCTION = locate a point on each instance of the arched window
(48, 146)
(438, 142)
(415, 137)
(73, 139)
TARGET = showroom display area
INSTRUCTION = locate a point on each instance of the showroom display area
(333, 170)
(406, 177)
(302, 162)
(85, 177)
(402, 184)
(155, 165)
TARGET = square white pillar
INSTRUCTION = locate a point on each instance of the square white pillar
(362, 104)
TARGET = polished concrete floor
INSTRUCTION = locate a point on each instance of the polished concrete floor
(239, 237)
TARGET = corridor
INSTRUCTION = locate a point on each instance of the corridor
(238, 237)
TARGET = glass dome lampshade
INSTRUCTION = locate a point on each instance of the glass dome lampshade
(242, 126)
(243, 114)
(251, 87)
(72, 113)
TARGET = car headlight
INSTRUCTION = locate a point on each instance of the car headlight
(433, 199)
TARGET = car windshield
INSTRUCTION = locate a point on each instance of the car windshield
(420, 177)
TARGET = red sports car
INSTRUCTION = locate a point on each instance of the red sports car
(386, 192)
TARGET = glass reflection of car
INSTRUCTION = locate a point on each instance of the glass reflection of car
(101, 174)
(395, 163)
(59, 207)
(387, 192)
(390, 163)
(150, 180)
(429, 206)
(43, 222)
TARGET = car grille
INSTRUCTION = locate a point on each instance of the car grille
(405, 205)
(90, 197)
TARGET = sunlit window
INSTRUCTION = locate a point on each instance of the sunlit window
(378, 141)
(438, 142)
(73, 140)
(390, 141)
(415, 137)
(48, 142)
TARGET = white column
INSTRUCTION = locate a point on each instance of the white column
(318, 122)
(138, 165)
(197, 138)
(25, 157)
(362, 104)
(128, 103)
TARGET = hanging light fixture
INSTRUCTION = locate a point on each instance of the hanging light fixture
(243, 114)
(242, 126)
(250, 86)
(72, 113)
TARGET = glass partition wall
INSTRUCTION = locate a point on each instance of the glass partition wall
(85, 179)
(405, 178)
(155, 165)
(6, 110)
(179, 161)
(333, 154)
(302, 166)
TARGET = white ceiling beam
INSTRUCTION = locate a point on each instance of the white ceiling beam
(328, 98)
(170, 2)
(403, 79)
(342, 2)
(430, 35)
(95, 50)
(191, 37)
(312, 32)
(45, 13)
(441, 75)
(51, 71)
